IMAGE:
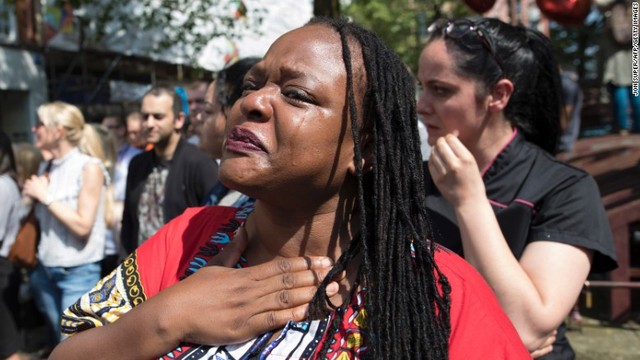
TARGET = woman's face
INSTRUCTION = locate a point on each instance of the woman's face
(288, 135)
(45, 136)
(449, 103)
(213, 123)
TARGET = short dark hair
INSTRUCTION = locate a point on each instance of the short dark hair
(229, 81)
(161, 90)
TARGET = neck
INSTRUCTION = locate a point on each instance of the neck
(166, 149)
(278, 232)
(61, 150)
(491, 142)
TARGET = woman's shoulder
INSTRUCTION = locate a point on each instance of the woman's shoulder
(9, 189)
(183, 246)
(82, 160)
(8, 181)
(548, 173)
(195, 223)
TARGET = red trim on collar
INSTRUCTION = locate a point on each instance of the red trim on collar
(513, 135)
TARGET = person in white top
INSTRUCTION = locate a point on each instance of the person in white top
(11, 212)
(69, 191)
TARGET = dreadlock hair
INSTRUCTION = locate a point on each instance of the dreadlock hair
(407, 299)
(529, 62)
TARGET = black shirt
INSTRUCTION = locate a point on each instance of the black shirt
(535, 197)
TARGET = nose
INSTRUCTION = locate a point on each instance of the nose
(257, 105)
(147, 120)
(423, 106)
(199, 118)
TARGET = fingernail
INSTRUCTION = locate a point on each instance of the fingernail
(332, 288)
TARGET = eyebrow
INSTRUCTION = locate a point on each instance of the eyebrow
(146, 115)
(286, 73)
(290, 73)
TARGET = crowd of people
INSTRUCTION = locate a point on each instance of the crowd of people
(292, 207)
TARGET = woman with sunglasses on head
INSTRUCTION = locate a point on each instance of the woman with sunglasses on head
(533, 227)
(324, 138)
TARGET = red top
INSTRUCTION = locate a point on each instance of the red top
(479, 328)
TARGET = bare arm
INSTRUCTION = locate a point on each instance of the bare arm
(80, 221)
(537, 291)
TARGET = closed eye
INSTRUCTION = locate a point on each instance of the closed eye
(247, 87)
(297, 95)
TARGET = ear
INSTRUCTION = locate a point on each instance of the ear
(59, 131)
(179, 121)
(367, 160)
(500, 95)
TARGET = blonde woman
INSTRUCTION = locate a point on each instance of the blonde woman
(69, 190)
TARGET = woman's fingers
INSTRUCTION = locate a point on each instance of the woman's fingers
(289, 281)
(436, 166)
(542, 351)
(282, 266)
(546, 347)
(447, 159)
(287, 305)
(453, 153)
(290, 298)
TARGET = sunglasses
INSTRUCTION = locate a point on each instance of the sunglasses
(457, 29)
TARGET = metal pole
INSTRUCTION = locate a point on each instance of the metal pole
(612, 284)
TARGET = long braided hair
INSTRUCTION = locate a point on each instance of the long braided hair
(407, 299)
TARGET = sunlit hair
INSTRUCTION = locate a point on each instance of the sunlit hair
(407, 299)
(100, 144)
(91, 144)
(64, 115)
(529, 62)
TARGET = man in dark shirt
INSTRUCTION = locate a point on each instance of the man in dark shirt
(164, 181)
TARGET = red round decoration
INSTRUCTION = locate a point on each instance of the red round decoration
(480, 6)
(565, 12)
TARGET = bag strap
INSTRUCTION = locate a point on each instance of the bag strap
(47, 168)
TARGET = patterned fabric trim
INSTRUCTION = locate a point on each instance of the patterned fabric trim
(131, 280)
(104, 304)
